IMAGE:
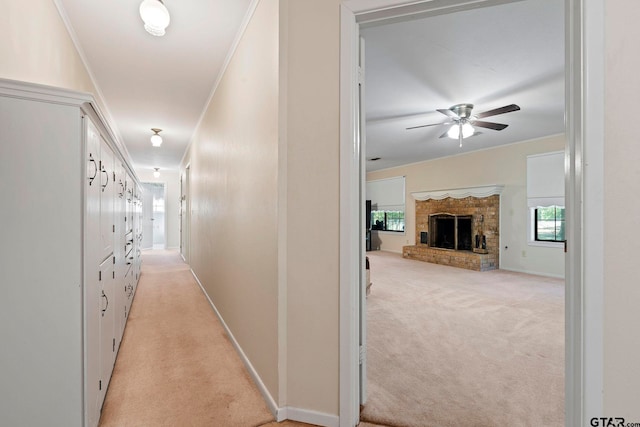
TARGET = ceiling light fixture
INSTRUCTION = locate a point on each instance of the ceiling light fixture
(156, 139)
(156, 173)
(467, 130)
(155, 16)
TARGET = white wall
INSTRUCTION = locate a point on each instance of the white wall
(505, 165)
(171, 180)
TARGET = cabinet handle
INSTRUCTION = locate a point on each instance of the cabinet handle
(95, 169)
(104, 171)
(107, 299)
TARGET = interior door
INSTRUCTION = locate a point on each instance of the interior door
(186, 215)
(147, 218)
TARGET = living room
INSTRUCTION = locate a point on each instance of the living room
(406, 101)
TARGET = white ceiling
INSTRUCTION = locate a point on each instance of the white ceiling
(148, 81)
(489, 57)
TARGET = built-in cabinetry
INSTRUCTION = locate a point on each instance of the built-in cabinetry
(70, 255)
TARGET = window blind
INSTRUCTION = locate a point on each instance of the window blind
(545, 179)
(386, 194)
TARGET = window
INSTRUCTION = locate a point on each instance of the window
(549, 224)
(387, 220)
(387, 198)
(545, 198)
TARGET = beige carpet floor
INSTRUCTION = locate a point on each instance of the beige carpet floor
(176, 366)
(452, 347)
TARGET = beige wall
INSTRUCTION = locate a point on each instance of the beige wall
(234, 195)
(36, 47)
(621, 212)
(313, 163)
(265, 198)
(505, 165)
(171, 180)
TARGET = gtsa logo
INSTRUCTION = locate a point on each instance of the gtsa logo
(607, 422)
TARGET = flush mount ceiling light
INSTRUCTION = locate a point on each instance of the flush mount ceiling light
(156, 173)
(155, 16)
(156, 139)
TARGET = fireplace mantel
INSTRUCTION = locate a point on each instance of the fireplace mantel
(459, 193)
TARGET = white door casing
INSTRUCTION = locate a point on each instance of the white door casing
(584, 34)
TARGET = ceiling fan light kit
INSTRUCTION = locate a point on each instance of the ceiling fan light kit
(155, 16)
(463, 122)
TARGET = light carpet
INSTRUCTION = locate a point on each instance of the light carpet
(451, 347)
(176, 365)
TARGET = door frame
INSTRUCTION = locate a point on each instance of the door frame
(185, 217)
(584, 112)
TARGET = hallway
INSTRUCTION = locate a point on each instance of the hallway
(176, 365)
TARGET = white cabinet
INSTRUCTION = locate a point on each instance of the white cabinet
(66, 282)
(107, 176)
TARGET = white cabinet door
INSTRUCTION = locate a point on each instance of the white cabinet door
(106, 173)
(107, 331)
(92, 284)
(119, 252)
(93, 193)
(93, 370)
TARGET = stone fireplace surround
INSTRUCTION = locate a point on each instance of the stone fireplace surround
(482, 203)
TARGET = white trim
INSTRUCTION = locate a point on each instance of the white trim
(543, 244)
(592, 339)
(533, 273)
(459, 193)
(282, 206)
(309, 417)
(349, 221)
(584, 86)
(271, 403)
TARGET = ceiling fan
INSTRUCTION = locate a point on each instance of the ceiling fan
(464, 122)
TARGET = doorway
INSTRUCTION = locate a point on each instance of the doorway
(426, 49)
(185, 214)
(154, 230)
(581, 384)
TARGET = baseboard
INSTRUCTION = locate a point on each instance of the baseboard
(271, 403)
(535, 273)
(309, 417)
(392, 251)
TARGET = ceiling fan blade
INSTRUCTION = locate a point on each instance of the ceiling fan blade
(488, 125)
(432, 124)
(448, 112)
(501, 110)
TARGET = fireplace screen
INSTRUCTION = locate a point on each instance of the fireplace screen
(450, 231)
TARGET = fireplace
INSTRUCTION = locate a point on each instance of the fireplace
(458, 227)
(450, 231)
